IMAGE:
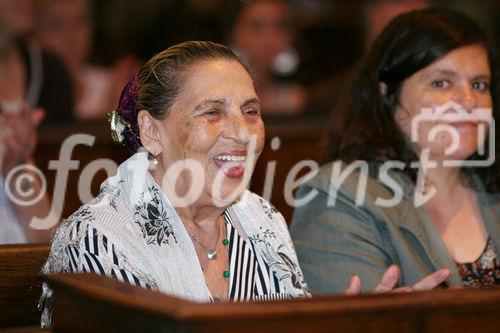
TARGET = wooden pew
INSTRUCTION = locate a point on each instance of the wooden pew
(89, 303)
(20, 287)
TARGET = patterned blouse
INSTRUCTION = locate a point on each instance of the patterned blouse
(484, 272)
(249, 279)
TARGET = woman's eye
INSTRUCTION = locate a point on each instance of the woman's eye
(213, 112)
(481, 86)
(440, 84)
(252, 112)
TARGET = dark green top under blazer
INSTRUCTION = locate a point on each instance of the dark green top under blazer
(335, 242)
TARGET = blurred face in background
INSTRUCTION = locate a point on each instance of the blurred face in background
(263, 30)
(379, 14)
(64, 28)
(17, 15)
(16, 18)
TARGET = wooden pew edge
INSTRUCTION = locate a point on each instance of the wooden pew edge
(109, 290)
(25, 329)
(26, 247)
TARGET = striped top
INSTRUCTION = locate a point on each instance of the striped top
(250, 277)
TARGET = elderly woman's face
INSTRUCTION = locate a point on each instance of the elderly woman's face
(215, 122)
(457, 84)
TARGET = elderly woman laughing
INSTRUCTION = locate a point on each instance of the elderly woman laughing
(176, 217)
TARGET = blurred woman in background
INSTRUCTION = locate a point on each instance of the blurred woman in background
(64, 28)
(262, 33)
(27, 71)
(33, 86)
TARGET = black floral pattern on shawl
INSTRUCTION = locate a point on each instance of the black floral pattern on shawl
(278, 259)
(113, 192)
(153, 220)
(268, 208)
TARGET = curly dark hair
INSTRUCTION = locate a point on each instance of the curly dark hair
(363, 127)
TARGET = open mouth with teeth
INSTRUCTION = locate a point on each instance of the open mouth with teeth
(231, 163)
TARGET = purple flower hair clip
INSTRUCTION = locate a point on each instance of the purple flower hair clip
(123, 121)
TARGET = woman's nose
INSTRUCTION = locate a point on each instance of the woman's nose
(468, 98)
(236, 128)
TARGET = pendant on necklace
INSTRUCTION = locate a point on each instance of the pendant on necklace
(212, 254)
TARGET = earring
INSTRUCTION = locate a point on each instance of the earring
(155, 161)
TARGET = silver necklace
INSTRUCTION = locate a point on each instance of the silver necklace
(211, 252)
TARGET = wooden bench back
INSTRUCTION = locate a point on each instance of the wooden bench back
(20, 286)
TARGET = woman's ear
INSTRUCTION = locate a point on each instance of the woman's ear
(148, 129)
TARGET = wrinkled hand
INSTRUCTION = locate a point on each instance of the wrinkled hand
(390, 279)
(18, 136)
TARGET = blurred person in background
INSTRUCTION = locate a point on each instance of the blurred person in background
(262, 33)
(377, 15)
(64, 27)
(28, 73)
(323, 97)
(33, 86)
(18, 124)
